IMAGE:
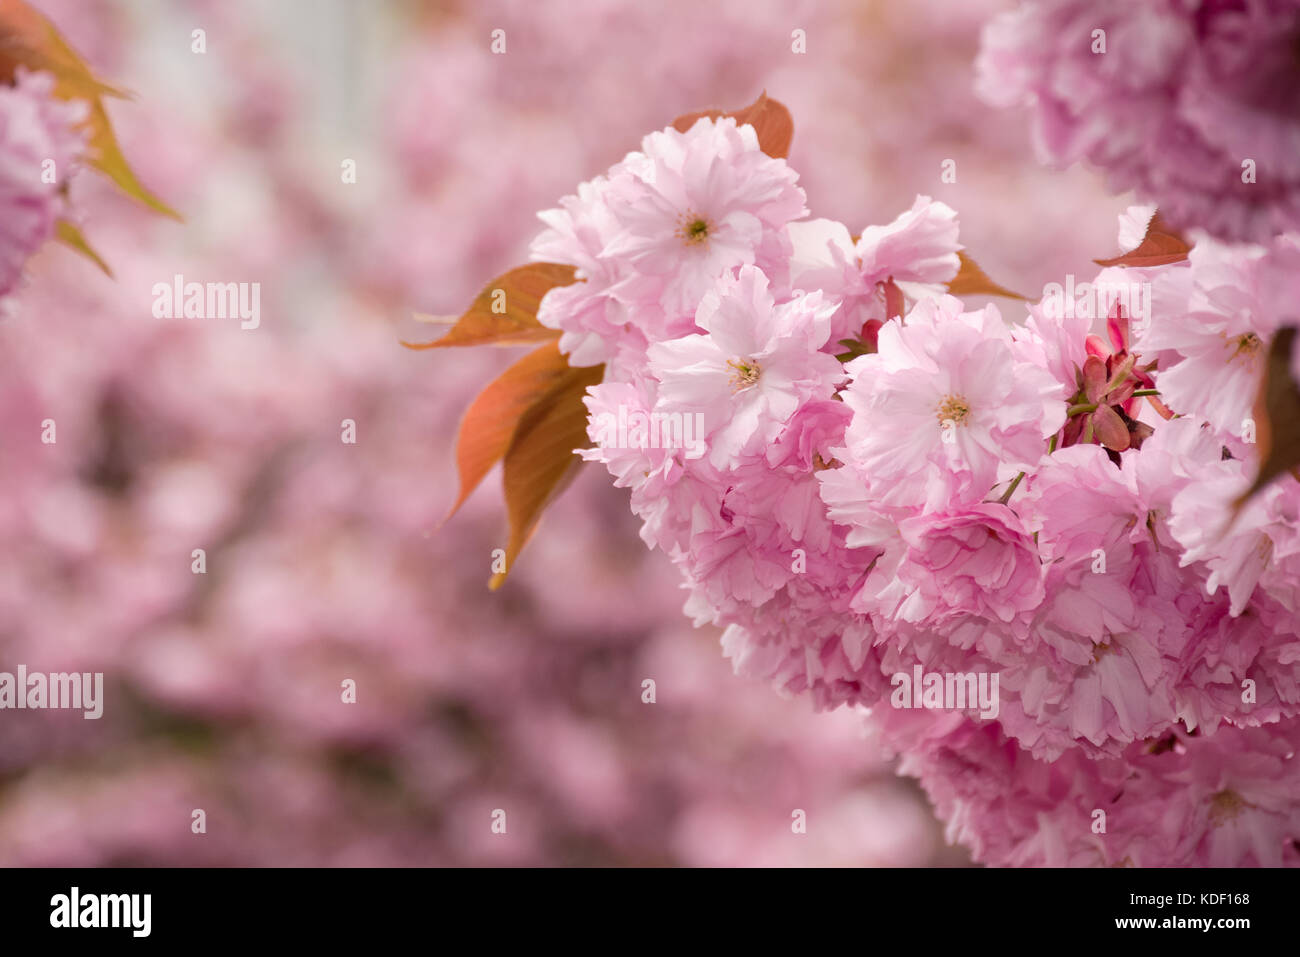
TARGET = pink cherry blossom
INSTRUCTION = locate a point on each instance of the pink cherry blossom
(917, 253)
(693, 205)
(753, 367)
(1209, 333)
(946, 403)
(976, 562)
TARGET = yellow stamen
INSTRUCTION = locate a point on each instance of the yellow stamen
(694, 229)
(746, 373)
(1247, 345)
(953, 409)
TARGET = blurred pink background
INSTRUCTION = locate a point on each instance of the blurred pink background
(223, 689)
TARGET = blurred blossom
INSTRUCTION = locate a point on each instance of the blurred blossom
(39, 147)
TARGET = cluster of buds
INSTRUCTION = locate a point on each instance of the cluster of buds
(1111, 388)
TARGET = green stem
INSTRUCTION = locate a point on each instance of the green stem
(1146, 392)
(1083, 407)
(1011, 489)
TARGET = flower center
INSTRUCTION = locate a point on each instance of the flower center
(745, 374)
(1101, 650)
(1247, 345)
(953, 409)
(693, 229)
(1225, 806)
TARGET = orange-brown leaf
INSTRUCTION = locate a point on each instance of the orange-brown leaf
(490, 421)
(769, 118)
(971, 280)
(1277, 415)
(106, 156)
(68, 234)
(1159, 247)
(29, 39)
(519, 292)
(540, 461)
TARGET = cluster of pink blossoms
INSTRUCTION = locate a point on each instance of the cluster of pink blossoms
(1192, 104)
(38, 148)
(884, 483)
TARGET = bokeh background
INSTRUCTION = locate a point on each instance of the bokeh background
(325, 560)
